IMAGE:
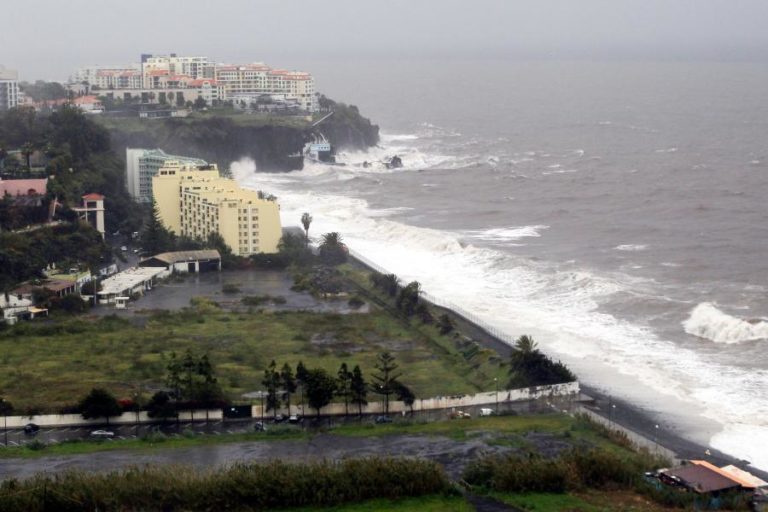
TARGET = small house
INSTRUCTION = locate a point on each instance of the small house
(185, 261)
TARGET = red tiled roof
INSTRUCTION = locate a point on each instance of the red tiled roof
(23, 187)
(93, 196)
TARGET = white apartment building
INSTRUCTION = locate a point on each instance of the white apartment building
(164, 74)
(9, 88)
(142, 164)
(172, 65)
(254, 80)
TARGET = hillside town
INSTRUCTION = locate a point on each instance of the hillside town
(175, 82)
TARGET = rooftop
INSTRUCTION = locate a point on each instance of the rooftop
(128, 279)
(181, 256)
(23, 187)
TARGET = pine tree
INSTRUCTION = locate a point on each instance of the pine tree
(289, 385)
(271, 382)
(155, 238)
(385, 381)
(344, 381)
(359, 389)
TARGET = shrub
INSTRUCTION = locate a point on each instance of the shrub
(243, 486)
(230, 288)
(356, 302)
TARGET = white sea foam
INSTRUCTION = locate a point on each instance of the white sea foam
(707, 321)
(507, 234)
(631, 247)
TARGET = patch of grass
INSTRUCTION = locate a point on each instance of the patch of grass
(437, 503)
(67, 358)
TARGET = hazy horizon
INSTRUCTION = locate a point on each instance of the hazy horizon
(75, 34)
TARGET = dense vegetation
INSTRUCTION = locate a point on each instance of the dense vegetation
(24, 255)
(243, 486)
(74, 152)
(346, 127)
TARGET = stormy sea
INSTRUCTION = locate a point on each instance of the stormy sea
(615, 211)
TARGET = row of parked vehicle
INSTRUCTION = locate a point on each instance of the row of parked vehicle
(33, 428)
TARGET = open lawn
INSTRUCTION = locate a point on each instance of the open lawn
(47, 365)
(587, 501)
(420, 504)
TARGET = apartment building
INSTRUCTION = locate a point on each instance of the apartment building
(254, 80)
(196, 202)
(195, 68)
(189, 78)
(9, 88)
(142, 164)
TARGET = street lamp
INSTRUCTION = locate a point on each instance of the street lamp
(5, 419)
(656, 437)
(496, 387)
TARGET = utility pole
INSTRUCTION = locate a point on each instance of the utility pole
(496, 387)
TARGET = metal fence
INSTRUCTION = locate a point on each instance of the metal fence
(437, 301)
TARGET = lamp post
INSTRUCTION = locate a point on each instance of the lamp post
(496, 388)
(5, 420)
(656, 437)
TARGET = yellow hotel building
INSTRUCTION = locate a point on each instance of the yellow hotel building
(195, 201)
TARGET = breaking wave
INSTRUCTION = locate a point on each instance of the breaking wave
(706, 321)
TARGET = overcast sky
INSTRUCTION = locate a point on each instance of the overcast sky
(50, 38)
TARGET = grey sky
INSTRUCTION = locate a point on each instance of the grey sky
(51, 38)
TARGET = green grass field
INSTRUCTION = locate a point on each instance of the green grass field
(47, 365)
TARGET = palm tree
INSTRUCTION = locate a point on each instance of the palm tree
(526, 345)
(306, 220)
(332, 249)
(27, 150)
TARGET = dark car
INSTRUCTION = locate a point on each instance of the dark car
(383, 419)
(31, 428)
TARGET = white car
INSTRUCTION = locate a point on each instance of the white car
(124, 248)
(102, 433)
(486, 411)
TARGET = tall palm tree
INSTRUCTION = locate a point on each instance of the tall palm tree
(525, 344)
(306, 220)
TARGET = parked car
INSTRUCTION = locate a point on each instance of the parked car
(279, 418)
(459, 415)
(102, 433)
(31, 428)
(124, 248)
(294, 418)
(383, 419)
(486, 411)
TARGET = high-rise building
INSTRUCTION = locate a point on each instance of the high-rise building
(142, 164)
(9, 88)
(196, 202)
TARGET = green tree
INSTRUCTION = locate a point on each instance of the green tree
(160, 406)
(344, 385)
(320, 388)
(6, 407)
(359, 389)
(271, 382)
(200, 104)
(404, 393)
(27, 149)
(385, 381)
(529, 367)
(445, 324)
(99, 403)
(301, 379)
(173, 376)
(408, 299)
(306, 221)
(155, 238)
(288, 382)
(332, 249)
